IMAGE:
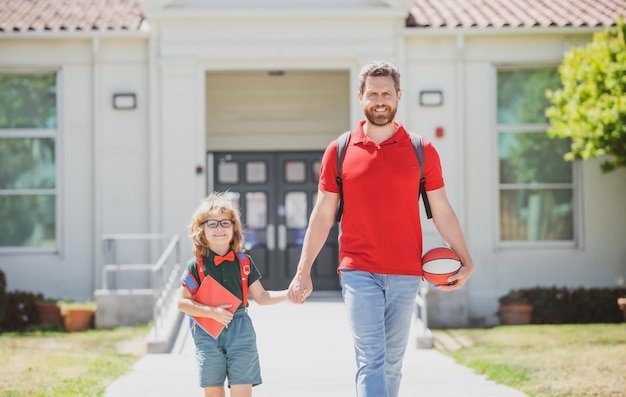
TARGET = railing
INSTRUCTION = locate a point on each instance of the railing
(112, 255)
(161, 276)
(424, 335)
(165, 282)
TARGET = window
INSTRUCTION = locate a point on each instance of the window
(536, 186)
(28, 171)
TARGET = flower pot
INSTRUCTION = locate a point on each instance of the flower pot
(49, 312)
(515, 314)
(77, 319)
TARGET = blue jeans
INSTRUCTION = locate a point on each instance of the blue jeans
(380, 309)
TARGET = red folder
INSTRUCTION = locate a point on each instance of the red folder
(212, 293)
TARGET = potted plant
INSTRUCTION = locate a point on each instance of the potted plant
(49, 311)
(77, 316)
(515, 308)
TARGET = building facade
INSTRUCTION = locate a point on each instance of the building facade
(120, 122)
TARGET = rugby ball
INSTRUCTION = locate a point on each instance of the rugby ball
(440, 263)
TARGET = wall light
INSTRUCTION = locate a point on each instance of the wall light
(124, 101)
(431, 98)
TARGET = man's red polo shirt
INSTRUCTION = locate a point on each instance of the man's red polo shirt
(380, 229)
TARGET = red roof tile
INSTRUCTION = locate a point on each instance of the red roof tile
(69, 15)
(514, 13)
(86, 15)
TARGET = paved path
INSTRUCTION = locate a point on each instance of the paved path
(305, 351)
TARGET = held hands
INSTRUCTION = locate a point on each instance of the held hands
(300, 288)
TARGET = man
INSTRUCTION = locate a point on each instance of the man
(381, 236)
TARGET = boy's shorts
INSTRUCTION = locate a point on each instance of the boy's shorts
(234, 352)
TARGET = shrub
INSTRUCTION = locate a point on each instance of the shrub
(562, 305)
(3, 295)
(514, 297)
(21, 311)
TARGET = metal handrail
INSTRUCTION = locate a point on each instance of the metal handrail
(164, 284)
(424, 334)
(164, 274)
(109, 254)
(422, 305)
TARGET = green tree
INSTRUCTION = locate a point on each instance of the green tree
(590, 108)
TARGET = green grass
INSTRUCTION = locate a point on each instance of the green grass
(547, 360)
(540, 360)
(60, 364)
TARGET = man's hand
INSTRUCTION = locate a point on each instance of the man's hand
(458, 280)
(300, 288)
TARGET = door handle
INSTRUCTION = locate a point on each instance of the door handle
(282, 237)
(270, 237)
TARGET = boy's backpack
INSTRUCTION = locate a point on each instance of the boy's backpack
(416, 140)
(244, 262)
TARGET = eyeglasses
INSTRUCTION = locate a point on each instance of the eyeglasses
(213, 223)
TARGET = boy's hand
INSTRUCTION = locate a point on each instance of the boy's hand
(221, 315)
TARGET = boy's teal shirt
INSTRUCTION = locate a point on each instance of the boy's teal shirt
(227, 273)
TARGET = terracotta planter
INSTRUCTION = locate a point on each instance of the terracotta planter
(621, 302)
(516, 314)
(49, 312)
(77, 319)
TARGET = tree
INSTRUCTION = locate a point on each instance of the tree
(590, 107)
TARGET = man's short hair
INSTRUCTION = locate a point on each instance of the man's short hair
(378, 69)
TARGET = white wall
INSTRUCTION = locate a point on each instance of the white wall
(101, 156)
(133, 171)
(188, 48)
(469, 157)
(124, 137)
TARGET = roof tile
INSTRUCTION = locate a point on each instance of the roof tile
(99, 15)
(514, 13)
(69, 15)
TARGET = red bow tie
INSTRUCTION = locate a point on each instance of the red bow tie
(230, 257)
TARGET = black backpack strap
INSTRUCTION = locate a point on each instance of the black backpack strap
(342, 145)
(416, 140)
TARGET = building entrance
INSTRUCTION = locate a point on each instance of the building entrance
(275, 192)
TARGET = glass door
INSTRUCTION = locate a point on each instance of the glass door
(275, 193)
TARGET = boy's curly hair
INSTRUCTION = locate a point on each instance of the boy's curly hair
(216, 203)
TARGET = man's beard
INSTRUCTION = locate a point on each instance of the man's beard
(380, 120)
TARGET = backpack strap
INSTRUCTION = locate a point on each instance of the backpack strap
(342, 145)
(200, 266)
(418, 146)
(244, 263)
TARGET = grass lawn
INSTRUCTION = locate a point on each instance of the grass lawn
(60, 364)
(545, 360)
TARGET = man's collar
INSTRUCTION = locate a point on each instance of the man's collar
(358, 134)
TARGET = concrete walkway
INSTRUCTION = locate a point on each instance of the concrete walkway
(305, 351)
